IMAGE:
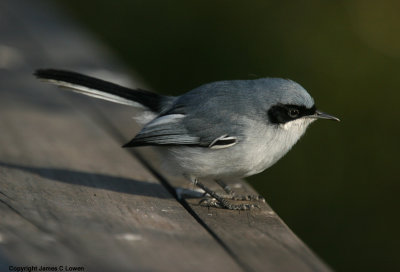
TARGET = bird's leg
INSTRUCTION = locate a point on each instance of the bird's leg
(234, 196)
(221, 202)
(225, 187)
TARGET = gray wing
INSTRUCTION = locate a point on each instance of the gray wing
(164, 130)
(177, 127)
(212, 116)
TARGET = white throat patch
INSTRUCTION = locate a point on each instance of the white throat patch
(298, 123)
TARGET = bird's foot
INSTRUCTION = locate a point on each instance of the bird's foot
(219, 201)
(248, 198)
(225, 204)
(238, 197)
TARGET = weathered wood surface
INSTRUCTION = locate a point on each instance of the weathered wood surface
(69, 195)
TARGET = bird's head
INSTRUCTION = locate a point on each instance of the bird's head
(290, 105)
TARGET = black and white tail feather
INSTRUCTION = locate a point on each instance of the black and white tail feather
(103, 89)
(166, 127)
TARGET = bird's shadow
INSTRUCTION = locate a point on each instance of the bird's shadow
(94, 180)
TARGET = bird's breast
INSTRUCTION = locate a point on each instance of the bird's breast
(260, 148)
(271, 143)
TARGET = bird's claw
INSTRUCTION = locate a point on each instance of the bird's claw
(224, 204)
(248, 198)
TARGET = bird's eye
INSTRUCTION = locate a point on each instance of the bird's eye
(293, 113)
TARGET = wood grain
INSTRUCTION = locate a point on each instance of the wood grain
(69, 194)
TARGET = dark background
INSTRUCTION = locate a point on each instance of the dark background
(338, 189)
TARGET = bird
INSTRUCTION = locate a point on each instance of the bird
(223, 129)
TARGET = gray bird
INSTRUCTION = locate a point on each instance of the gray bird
(219, 130)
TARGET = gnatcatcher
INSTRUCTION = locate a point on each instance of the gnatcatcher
(222, 129)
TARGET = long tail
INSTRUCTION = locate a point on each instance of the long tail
(104, 90)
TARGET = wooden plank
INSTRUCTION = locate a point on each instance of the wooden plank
(69, 195)
(257, 240)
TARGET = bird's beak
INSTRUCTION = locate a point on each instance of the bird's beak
(323, 115)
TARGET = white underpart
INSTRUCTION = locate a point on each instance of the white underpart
(296, 124)
(276, 143)
(250, 155)
(95, 93)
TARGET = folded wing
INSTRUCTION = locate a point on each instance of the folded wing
(171, 129)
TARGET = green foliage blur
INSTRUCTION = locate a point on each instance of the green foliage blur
(339, 188)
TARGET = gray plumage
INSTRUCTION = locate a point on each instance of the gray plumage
(220, 108)
(221, 129)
